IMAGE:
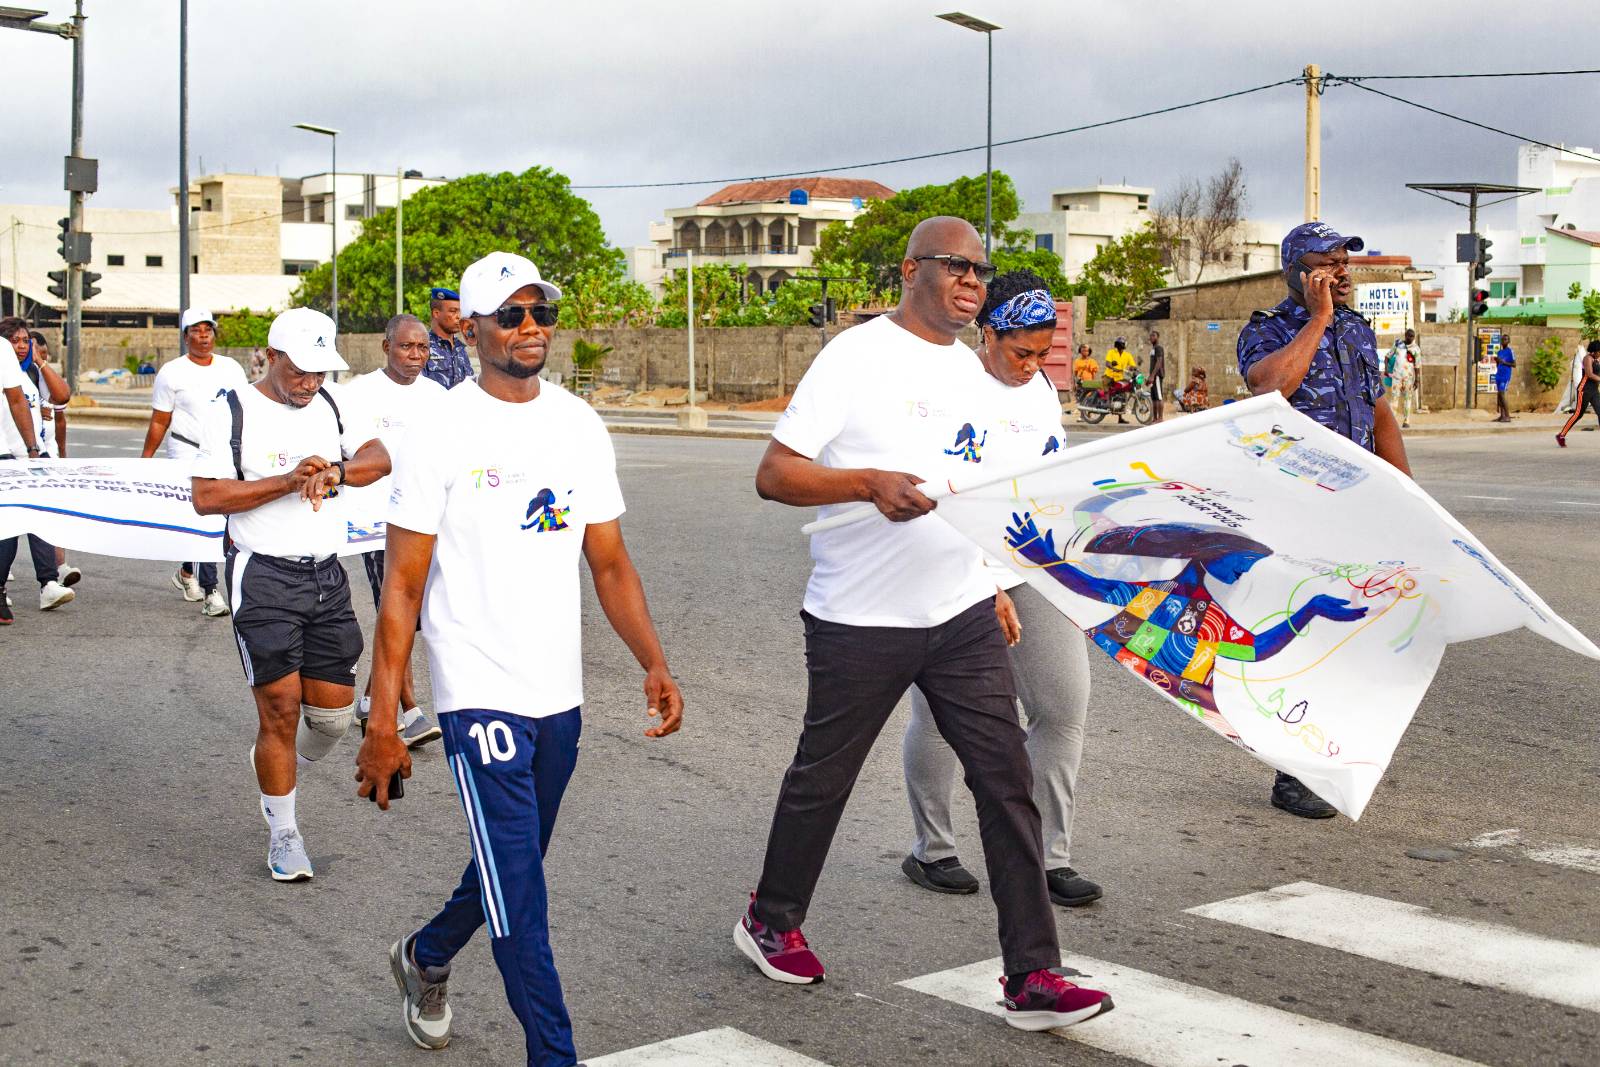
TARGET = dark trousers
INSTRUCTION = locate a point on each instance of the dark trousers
(206, 572)
(511, 772)
(857, 675)
(44, 557)
(1588, 400)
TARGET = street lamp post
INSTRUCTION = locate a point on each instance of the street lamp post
(972, 22)
(183, 156)
(333, 204)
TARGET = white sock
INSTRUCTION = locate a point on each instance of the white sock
(279, 812)
(409, 716)
(365, 708)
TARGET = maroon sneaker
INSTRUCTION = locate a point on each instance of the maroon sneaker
(782, 955)
(1047, 1000)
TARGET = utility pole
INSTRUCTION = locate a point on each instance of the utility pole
(692, 417)
(1313, 76)
(183, 156)
(399, 240)
(75, 204)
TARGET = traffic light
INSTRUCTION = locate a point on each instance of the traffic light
(1480, 302)
(58, 287)
(1481, 270)
(66, 236)
(819, 315)
(831, 310)
(90, 291)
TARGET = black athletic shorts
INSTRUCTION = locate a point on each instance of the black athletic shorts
(374, 562)
(293, 615)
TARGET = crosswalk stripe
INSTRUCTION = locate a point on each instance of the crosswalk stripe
(1167, 1023)
(723, 1047)
(1411, 936)
(1578, 857)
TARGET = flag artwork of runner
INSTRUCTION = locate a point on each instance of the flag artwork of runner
(1285, 587)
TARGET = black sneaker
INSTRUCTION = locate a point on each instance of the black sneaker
(1291, 795)
(6, 618)
(940, 876)
(1070, 889)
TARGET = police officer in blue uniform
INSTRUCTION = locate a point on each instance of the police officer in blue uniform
(448, 363)
(1323, 357)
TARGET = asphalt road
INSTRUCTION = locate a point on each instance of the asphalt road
(137, 924)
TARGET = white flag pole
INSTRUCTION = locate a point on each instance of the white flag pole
(853, 515)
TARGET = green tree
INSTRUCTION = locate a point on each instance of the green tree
(447, 227)
(717, 298)
(1590, 327)
(1548, 363)
(791, 304)
(877, 237)
(1119, 279)
(243, 329)
(603, 296)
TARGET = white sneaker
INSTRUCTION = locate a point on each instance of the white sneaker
(188, 585)
(286, 857)
(53, 595)
(214, 605)
(67, 574)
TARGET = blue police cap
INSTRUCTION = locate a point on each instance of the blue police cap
(1309, 237)
(441, 293)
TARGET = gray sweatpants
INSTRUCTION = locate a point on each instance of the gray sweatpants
(1051, 665)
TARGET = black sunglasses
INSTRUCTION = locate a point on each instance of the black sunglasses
(509, 316)
(959, 265)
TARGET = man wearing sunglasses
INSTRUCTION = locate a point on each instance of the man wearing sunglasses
(898, 600)
(1323, 357)
(495, 496)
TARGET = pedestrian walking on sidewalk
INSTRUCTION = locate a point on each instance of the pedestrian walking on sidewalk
(1588, 393)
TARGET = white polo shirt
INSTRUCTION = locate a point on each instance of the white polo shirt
(384, 409)
(275, 438)
(507, 490)
(12, 377)
(185, 388)
(879, 396)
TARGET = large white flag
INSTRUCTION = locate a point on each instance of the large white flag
(1282, 585)
(141, 509)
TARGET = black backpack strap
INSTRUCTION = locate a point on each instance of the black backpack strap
(236, 440)
(337, 421)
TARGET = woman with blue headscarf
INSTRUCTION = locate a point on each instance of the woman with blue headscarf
(1049, 657)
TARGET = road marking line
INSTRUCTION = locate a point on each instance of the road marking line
(1469, 496)
(1167, 1023)
(1578, 857)
(723, 1047)
(1580, 503)
(1408, 935)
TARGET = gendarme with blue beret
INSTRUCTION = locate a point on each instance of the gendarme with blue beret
(1344, 382)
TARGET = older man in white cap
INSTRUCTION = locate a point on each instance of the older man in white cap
(269, 455)
(495, 496)
(184, 388)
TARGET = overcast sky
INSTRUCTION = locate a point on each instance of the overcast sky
(609, 92)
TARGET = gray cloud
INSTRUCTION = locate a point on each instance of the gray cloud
(616, 92)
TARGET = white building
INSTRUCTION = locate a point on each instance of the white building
(768, 227)
(1083, 220)
(251, 236)
(1568, 199)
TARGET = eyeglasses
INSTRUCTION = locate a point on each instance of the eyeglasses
(959, 265)
(509, 316)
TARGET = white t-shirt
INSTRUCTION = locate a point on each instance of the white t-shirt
(507, 490)
(33, 396)
(383, 408)
(879, 396)
(275, 438)
(186, 389)
(1024, 424)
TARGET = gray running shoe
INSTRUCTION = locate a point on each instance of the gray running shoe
(416, 729)
(214, 605)
(286, 857)
(426, 1008)
(188, 585)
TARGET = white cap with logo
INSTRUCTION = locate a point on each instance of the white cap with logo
(486, 284)
(194, 315)
(306, 336)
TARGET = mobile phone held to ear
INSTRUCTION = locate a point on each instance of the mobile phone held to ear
(1296, 277)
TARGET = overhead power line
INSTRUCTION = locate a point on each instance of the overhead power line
(1458, 118)
(1426, 77)
(948, 151)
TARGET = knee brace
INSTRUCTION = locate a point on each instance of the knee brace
(320, 729)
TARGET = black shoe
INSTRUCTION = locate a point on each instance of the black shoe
(1291, 795)
(6, 618)
(941, 876)
(1070, 889)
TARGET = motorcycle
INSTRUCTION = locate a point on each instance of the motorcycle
(1095, 402)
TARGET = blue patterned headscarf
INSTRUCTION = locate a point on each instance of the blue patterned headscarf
(1032, 308)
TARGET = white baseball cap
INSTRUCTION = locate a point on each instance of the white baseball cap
(306, 336)
(194, 315)
(486, 284)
